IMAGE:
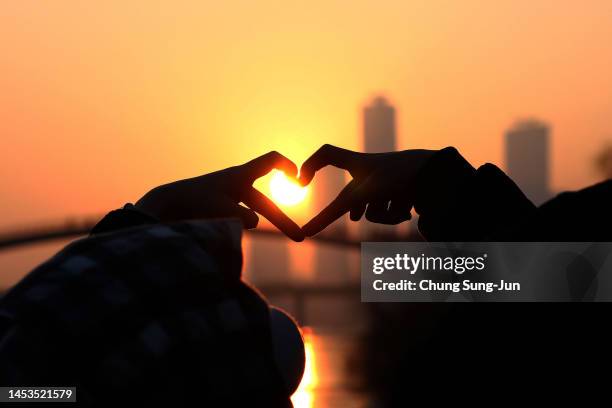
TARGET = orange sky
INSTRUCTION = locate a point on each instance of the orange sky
(98, 104)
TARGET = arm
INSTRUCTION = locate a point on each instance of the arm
(582, 215)
(114, 313)
(126, 217)
(227, 193)
(454, 200)
(457, 202)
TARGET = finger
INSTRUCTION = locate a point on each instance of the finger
(376, 210)
(354, 193)
(400, 208)
(225, 207)
(357, 211)
(326, 155)
(262, 165)
(258, 202)
(248, 217)
(383, 213)
(337, 208)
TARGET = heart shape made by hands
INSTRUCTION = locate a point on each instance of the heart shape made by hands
(383, 185)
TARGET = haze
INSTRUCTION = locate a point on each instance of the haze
(100, 103)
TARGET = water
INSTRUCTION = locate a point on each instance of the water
(326, 383)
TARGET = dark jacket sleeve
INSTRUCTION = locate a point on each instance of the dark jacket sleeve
(152, 315)
(126, 217)
(582, 215)
(457, 202)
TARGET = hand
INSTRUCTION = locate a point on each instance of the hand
(382, 182)
(219, 194)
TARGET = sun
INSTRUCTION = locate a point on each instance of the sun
(285, 191)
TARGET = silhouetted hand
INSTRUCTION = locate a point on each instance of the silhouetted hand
(382, 182)
(219, 194)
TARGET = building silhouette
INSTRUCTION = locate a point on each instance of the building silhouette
(379, 135)
(603, 161)
(379, 132)
(528, 158)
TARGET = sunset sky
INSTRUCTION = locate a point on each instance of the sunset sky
(100, 103)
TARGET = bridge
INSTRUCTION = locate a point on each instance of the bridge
(75, 228)
(299, 292)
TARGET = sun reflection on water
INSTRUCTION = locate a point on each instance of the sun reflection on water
(305, 394)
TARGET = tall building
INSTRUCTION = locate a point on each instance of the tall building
(527, 158)
(379, 132)
(379, 135)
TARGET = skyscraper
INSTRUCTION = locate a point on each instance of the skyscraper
(527, 158)
(379, 132)
(379, 135)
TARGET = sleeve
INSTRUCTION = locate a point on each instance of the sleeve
(457, 202)
(582, 215)
(143, 315)
(126, 217)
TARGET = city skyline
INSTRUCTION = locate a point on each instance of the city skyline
(379, 133)
(111, 101)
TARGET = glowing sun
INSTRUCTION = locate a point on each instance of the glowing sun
(285, 191)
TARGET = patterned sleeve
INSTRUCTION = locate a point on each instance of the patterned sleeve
(126, 217)
(151, 314)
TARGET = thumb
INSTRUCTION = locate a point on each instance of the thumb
(325, 156)
(248, 217)
(262, 165)
(225, 207)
